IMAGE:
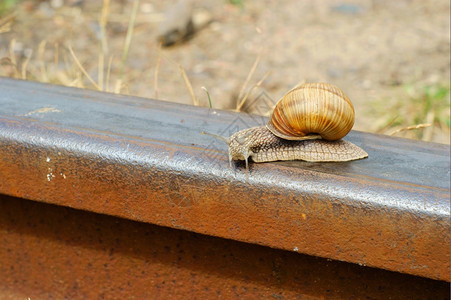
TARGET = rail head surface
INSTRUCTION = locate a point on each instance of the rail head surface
(147, 160)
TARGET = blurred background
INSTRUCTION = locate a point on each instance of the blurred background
(392, 58)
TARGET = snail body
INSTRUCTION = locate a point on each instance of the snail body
(306, 124)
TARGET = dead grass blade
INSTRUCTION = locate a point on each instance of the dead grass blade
(382, 130)
(185, 77)
(12, 58)
(157, 69)
(100, 71)
(6, 22)
(82, 69)
(108, 72)
(70, 67)
(12, 55)
(240, 105)
(189, 86)
(103, 42)
(128, 40)
(428, 132)
(41, 50)
(56, 57)
(413, 127)
(248, 78)
(102, 22)
(24, 66)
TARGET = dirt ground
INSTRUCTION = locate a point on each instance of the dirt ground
(392, 58)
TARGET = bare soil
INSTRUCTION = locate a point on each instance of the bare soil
(392, 58)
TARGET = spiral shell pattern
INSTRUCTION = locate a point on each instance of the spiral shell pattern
(312, 108)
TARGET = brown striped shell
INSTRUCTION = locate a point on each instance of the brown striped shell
(312, 108)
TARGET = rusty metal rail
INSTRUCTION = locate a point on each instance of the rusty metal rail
(147, 161)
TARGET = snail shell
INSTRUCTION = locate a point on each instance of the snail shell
(312, 108)
(306, 124)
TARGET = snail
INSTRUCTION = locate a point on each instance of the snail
(308, 124)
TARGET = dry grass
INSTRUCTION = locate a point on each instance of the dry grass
(77, 62)
(157, 69)
(251, 90)
(413, 127)
(425, 116)
(246, 82)
(5, 23)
